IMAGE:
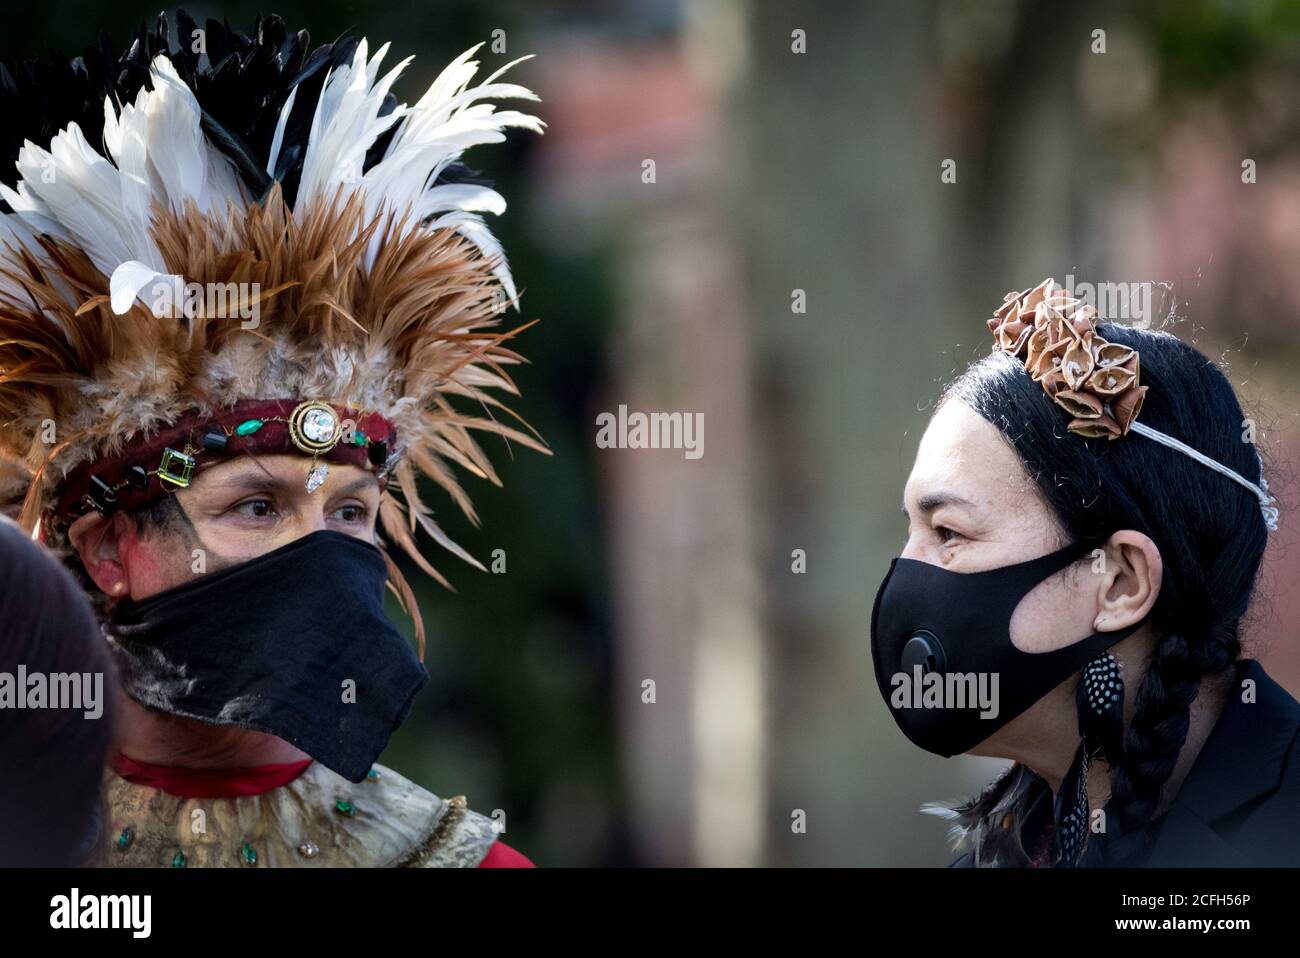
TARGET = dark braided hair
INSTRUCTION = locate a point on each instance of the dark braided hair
(1208, 529)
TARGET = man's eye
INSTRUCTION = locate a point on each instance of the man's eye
(351, 513)
(256, 508)
(946, 535)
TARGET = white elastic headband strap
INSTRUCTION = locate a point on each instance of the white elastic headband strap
(1267, 504)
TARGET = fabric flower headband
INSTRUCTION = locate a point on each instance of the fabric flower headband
(1096, 381)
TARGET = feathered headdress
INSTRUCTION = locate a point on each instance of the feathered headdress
(263, 251)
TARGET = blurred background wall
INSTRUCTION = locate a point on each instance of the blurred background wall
(740, 209)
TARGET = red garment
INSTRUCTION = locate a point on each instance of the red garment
(501, 855)
(208, 782)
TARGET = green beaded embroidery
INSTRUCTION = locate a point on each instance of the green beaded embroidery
(248, 427)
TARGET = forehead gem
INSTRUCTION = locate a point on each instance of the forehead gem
(318, 425)
(315, 427)
(317, 476)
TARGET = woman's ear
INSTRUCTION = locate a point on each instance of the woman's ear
(1130, 581)
(96, 539)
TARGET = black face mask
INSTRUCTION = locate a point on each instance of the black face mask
(269, 644)
(928, 620)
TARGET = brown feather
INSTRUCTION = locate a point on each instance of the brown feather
(406, 598)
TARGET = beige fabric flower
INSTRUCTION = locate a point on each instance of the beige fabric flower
(1055, 335)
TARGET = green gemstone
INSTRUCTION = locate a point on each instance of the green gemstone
(248, 427)
(373, 775)
(249, 853)
(178, 860)
(176, 468)
(124, 840)
(344, 807)
(359, 438)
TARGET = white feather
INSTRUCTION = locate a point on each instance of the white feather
(133, 278)
(447, 120)
(939, 811)
(462, 196)
(156, 154)
(277, 141)
(74, 187)
(15, 232)
(347, 123)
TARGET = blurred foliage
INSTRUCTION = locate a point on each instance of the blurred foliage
(1203, 45)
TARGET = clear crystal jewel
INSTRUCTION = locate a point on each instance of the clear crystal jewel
(317, 476)
(318, 425)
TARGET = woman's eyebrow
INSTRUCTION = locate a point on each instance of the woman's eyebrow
(932, 501)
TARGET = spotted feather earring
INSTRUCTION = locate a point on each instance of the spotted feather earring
(1100, 701)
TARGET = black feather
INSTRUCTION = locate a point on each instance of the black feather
(1071, 814)
(989, 825)
(241, 85)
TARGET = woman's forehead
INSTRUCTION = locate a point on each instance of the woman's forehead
(963, 456)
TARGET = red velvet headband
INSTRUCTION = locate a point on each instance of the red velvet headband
(167, 461)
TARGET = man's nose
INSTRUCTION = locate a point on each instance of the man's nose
(306, 520)
(313, 518)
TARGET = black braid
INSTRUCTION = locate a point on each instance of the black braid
(1157, 733)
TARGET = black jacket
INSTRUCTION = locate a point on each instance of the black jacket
(1240, 803)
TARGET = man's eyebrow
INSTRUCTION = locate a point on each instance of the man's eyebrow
(262, 479)
(249, 478)
(356, 485)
